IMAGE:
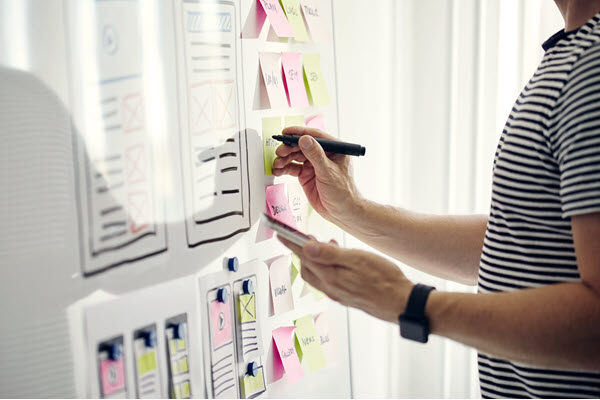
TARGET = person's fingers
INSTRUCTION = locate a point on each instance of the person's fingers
(292, 246)
(280, 162)
(326, 253)
(283, 150)
(315, 155)
(309, 276)
(334, 242)
(304, 130)
(290, 169)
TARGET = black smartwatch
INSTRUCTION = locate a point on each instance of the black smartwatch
(414, 324)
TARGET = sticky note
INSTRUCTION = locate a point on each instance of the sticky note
(247, 308)
(146, 363)
(285, 352)
(295, 267)
(294, 16)
(270, 126)
(220, 323)
(318, 122)
(315, 80)
(292, 70)
(277, 204)
(253, 385)
(310, 343)
(327, 336)
(293, 120)
(315, 19)
(255, 21)
(281, 285)
(183, 365)
(299, 204)
(270, 66)
(184, 389)
(112, 376)
(277, 18)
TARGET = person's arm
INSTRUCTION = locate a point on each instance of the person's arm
(554, 326)
(445, 246)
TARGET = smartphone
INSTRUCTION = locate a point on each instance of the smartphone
(285, 231)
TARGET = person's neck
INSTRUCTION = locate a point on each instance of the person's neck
(577, 12)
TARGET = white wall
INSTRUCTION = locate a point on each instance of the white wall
(426, 86)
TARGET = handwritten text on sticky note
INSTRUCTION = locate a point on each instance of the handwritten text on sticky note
(277, 18)
(277, 204)
(270, 65)
(285, 351)
(270, 126)
(292, 69)
(315, 80)
(281, 285)
(310, 343)
(294, 16)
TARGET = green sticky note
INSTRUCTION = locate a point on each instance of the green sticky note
(270, 126)
(293, 120)
(291, 8)
(252, 385)
(309, 343)
(295, 266)
(314, 80)
(146, 363)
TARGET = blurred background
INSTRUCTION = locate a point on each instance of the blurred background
(426, 86)
(429, 92)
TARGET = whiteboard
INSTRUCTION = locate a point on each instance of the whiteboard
(55, 254)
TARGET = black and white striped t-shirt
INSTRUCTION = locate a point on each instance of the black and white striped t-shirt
(546, 170)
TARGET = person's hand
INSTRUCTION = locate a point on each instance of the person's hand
(354, 278)
(326, 178)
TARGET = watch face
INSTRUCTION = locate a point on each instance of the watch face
(414, 329)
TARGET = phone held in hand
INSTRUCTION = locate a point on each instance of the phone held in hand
(285, 231)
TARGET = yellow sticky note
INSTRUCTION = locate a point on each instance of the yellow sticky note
(294, 16)
(146, 363)
(247, 308)
(252, 385)
(315, 80)
(177, 390)
(173, 346)
(174, 368)
(185, 390)
(293, 120)
(310, 343)
(270, 126)
(180, 344)
(183, 365)
(295, 266)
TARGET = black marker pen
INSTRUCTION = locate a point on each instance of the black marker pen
(331, 146)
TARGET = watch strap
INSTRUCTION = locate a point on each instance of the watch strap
(415, 307)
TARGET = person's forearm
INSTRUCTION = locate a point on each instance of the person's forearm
(444, 246)
(554, 326)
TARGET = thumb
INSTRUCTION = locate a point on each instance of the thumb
(315, 154)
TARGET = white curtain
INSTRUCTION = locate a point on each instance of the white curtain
(426, 86)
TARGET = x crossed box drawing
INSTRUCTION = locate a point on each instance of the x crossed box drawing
(139, 209)
(135, 164)
(132, 112)
(212, 106)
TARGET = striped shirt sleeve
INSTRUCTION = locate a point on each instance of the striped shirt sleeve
(575, 137)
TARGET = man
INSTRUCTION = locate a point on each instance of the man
(536, 258)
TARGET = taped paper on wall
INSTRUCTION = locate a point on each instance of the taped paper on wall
(214, 160)
(112, 370)
(146, 366)
(179, 369)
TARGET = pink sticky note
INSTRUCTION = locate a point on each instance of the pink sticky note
(112, 375)
(315, 19)
(283, 339)
(278, 206)
(254, 22)
(281, 285)
(292, 70)
(270, 65)
(220, 316)
(318, 122)
(277, 18)
(325, 331)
